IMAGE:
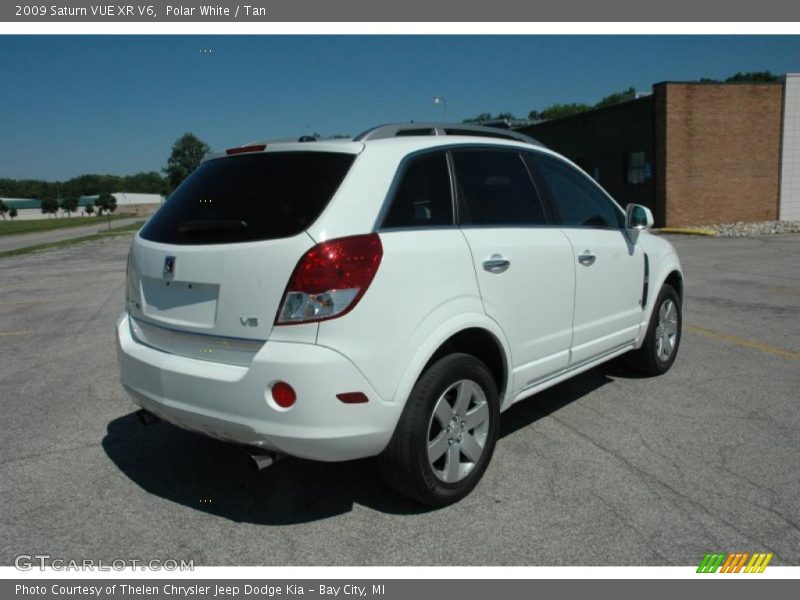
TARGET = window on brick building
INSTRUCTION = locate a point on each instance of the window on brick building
(636, 168)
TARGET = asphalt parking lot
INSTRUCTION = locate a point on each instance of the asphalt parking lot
(607, 469)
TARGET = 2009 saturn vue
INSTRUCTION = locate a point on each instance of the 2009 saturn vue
(388, 295)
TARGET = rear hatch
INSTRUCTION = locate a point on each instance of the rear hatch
(207, 273)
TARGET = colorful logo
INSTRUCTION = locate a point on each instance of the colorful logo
(734, 563)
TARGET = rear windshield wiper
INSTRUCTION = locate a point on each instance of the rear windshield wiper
(219, 225)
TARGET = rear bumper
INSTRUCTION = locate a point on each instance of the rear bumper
(231, 402)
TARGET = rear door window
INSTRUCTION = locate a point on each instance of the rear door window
(260, 196)
(495, 188)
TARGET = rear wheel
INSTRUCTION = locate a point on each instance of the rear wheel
(446, 434)
(663, 337)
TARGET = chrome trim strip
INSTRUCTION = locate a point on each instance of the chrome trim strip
(235, 351)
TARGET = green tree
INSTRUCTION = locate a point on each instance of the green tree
(617, 97)
(106, 202)
(89, 209)
(187, 152)
(479, 118)
(85, 185)
(3, 210)
(49, 205)
(556, 111)
(12, 212)
(483, 117)
(69, 205)
(756, 76)
(144, 183)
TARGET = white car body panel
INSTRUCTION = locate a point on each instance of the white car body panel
(443, 332)
(527, 300)
(425, 278)
(608, 292)
(231, 402)
(239, 281)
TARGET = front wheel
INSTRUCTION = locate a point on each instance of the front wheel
(446, 434)
(660, 346)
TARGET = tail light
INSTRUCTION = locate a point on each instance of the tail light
(330, 279)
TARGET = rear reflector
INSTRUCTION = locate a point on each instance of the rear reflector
(283, 394)
(352, 398)
(243, 149)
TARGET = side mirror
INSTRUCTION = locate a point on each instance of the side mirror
(637, 218)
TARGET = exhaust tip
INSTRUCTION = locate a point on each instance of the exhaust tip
(261, 460)
(146, 417)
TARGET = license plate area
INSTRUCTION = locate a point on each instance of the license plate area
(180, 302)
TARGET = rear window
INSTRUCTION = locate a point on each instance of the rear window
(251, 197)
(423, 197)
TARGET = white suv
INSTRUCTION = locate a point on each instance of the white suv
(387, 295)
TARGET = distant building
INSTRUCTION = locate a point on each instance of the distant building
(133, 203)
(129, 203)
(25, 208)
(695, 153)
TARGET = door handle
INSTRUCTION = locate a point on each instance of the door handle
(586, 258)
(496, 264)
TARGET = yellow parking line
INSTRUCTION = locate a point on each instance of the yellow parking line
(10, 333)
(792, 291)
(745, 343)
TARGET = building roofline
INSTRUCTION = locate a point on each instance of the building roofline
(670, 81)
(647, 98)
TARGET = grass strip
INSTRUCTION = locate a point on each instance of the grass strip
(133, 227)
(9, 227)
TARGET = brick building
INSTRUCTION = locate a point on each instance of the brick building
(695, 153)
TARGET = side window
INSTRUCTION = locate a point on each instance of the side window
(423, 197)
(495, 188)
(579, 202)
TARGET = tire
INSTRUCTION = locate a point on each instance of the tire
(663, 338)
(461, 453)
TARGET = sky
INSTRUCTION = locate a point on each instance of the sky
(72, 105)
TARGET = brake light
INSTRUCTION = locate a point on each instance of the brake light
(243, 149)
(330, 279)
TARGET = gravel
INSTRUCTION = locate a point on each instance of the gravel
(740, 229)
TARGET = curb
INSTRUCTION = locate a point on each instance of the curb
(688, 231)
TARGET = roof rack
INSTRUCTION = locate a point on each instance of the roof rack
(392, 130)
